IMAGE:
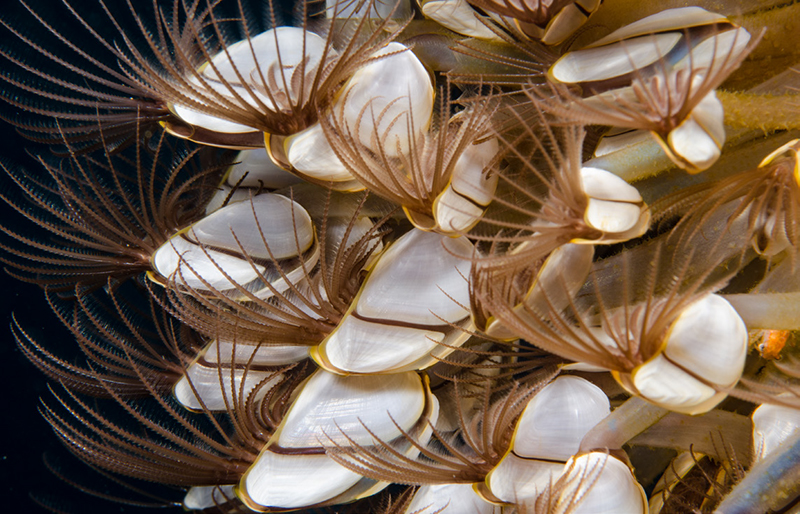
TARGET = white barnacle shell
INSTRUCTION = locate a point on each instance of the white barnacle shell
(667, 20)
(328, 410)
(615, 207)
(772, 425)
(458, 16)
(598, 483)
(292, 481)
(331, 406)
(387, 102)
(448, 499)
(643, 78)
(548, 433)
(620, 59)
(254, 168)
(355, 9)
(703, 355)
(697, 141)
(516, 479)
(243, 71)
(555, 421)
(561, 275)
(207, 121)
(404, 308)
(567, 21)
(190, 265)
(310, 155)
(462, 204)
(230, 352)
(211, 253)
(208, 496)
(634, 47)
(215, 386)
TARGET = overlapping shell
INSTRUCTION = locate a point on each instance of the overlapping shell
(659, 74)
(411, 206)
(392, 327)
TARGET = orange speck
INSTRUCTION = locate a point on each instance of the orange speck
(772, 342)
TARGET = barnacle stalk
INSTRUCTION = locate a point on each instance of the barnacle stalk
(771, 484)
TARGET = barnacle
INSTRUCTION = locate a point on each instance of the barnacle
(409, 257)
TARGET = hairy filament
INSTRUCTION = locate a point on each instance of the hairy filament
(760, 112)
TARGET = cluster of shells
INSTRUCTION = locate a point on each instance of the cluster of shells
(453, 256)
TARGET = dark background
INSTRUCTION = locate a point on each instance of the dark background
(26, 435)
(27, 439)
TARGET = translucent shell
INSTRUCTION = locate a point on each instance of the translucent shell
(553, 424)
(458, 16)
(562, 274)
(615, 207)
(772, 425)
(388, 100)
(354, 9)
(659, 73)
(251, 169)
(704, 353)
(309, 154)
(328, 410)
(677, 469)
(598, 483)
(332, 408)
(208, 384)
(449, 499)
(773, 224)
(409, 302)
(462, 204)
(254, 168)
(516, 480)
(272, 57)
(211, 253)
(209, 496)
(226, 195)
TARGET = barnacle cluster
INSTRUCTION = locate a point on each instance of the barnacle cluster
(396, 256)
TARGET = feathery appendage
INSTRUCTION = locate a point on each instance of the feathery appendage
(625, 325)
(482, 440)
(547, 216)
(101, 216)
(123, 335)
(157, 439)
(307, 297)
(185, 55)
(768, 197)
(434, 179)
(666, 69)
